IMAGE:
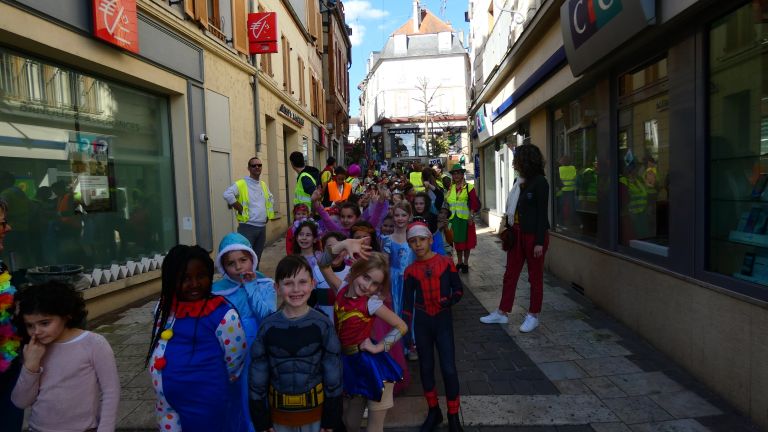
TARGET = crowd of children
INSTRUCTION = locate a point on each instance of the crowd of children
(367, 282)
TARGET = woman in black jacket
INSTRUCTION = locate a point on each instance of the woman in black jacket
(528, 218)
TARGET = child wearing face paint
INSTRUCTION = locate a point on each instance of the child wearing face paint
(69, 376)
(432, 286)
(369, 371)
(252, 294)
(300, 214)
(295, 374)
(198, 348)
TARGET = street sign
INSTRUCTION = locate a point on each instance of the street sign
(115, 22)
(262, 33)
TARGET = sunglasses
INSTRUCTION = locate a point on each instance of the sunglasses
(255, 165)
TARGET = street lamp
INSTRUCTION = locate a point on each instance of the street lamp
(517, 16)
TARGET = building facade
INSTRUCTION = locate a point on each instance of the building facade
(415, 91)
(113, 152)
(337, 58)
(652, 118)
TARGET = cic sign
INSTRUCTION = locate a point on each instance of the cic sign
(593, 28)
(262, 33)
(115, 22)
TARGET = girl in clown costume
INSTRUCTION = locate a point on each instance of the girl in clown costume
(198, 347)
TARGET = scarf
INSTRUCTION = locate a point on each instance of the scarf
(512, 198)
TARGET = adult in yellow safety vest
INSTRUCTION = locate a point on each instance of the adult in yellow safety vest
(251, 199)
(415, 178)
(463, 202)
(307, 181)
(633, 197)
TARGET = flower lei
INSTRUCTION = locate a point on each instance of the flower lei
(9, 340)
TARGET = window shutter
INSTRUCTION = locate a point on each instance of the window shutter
(201, 12)
(239, 24)
(189, 8)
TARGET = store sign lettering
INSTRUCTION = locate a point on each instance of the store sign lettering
(589, 16)
(116, 22)
(291, 115)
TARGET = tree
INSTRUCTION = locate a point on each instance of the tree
(426, 99)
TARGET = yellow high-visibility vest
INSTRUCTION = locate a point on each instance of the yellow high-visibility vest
(242, 198)
(459, 203)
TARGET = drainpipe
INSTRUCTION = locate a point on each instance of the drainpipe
(255, 84)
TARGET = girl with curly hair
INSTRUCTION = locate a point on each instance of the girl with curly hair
(527, 217)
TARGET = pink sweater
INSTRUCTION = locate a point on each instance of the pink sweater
(77, 389)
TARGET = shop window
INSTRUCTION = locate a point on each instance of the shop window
(489, 177)
(643, 141)
(575, 169)
(89, 179)
(738, 145)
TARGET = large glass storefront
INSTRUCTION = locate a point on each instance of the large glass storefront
(575, 165)
(85, 165)
(643, 141)
(738, 145)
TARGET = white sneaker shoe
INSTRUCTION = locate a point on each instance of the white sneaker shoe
(530, 323)
(495, 317)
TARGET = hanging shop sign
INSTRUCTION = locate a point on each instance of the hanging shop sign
(593, 28)
(285, 111)
(262, 33)
(115, 22)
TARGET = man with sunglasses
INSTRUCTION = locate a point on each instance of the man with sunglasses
(254, 204)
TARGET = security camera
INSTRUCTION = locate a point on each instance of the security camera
(203, 138)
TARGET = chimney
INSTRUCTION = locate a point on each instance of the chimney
(416, 16)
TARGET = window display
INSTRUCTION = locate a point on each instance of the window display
(86, 165)
(738, 146)
(643, 140)
(575, 169)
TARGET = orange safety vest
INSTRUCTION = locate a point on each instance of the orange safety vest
(337, 195)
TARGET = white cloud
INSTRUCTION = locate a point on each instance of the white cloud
(361, 9)
(358, 31)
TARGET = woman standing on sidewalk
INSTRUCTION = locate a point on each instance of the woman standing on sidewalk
(527, 210)
(463, 202)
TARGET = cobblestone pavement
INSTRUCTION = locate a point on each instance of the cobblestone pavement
(579, 371)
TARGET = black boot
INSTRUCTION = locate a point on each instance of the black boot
(434, 418)
(454, 425)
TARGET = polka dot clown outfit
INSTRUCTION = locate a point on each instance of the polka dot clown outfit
(199, 355)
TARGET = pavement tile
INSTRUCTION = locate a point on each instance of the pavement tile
(636, 409)
(603, 387)
(644, 383)
(141, 418)
(572, 387)
(729, 423)
(599, 349)
(602, 366)
(552, 354)
(561, 370)
(686, 425)
(610, 427)
(685, 404)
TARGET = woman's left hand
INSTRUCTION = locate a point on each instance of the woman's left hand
(368, 345)
(538, 251)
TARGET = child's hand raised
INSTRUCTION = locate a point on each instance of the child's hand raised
(355, 248)
(368, 345)
(317, 195)
(33, 355)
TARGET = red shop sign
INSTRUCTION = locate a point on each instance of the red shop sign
(262, 32)
(115, 21)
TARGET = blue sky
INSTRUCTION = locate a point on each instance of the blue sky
(372, 22)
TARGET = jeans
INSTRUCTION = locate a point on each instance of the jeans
(256, 235)
(431, 332)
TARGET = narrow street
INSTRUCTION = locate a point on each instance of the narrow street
(579, 371)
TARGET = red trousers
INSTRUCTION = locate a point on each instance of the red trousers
(522, 253)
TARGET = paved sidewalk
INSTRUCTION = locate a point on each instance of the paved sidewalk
(579, 371)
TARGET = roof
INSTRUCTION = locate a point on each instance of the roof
(429, 24)
(420, 46)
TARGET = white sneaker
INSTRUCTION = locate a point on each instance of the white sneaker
(495, 317)
(530, 323)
